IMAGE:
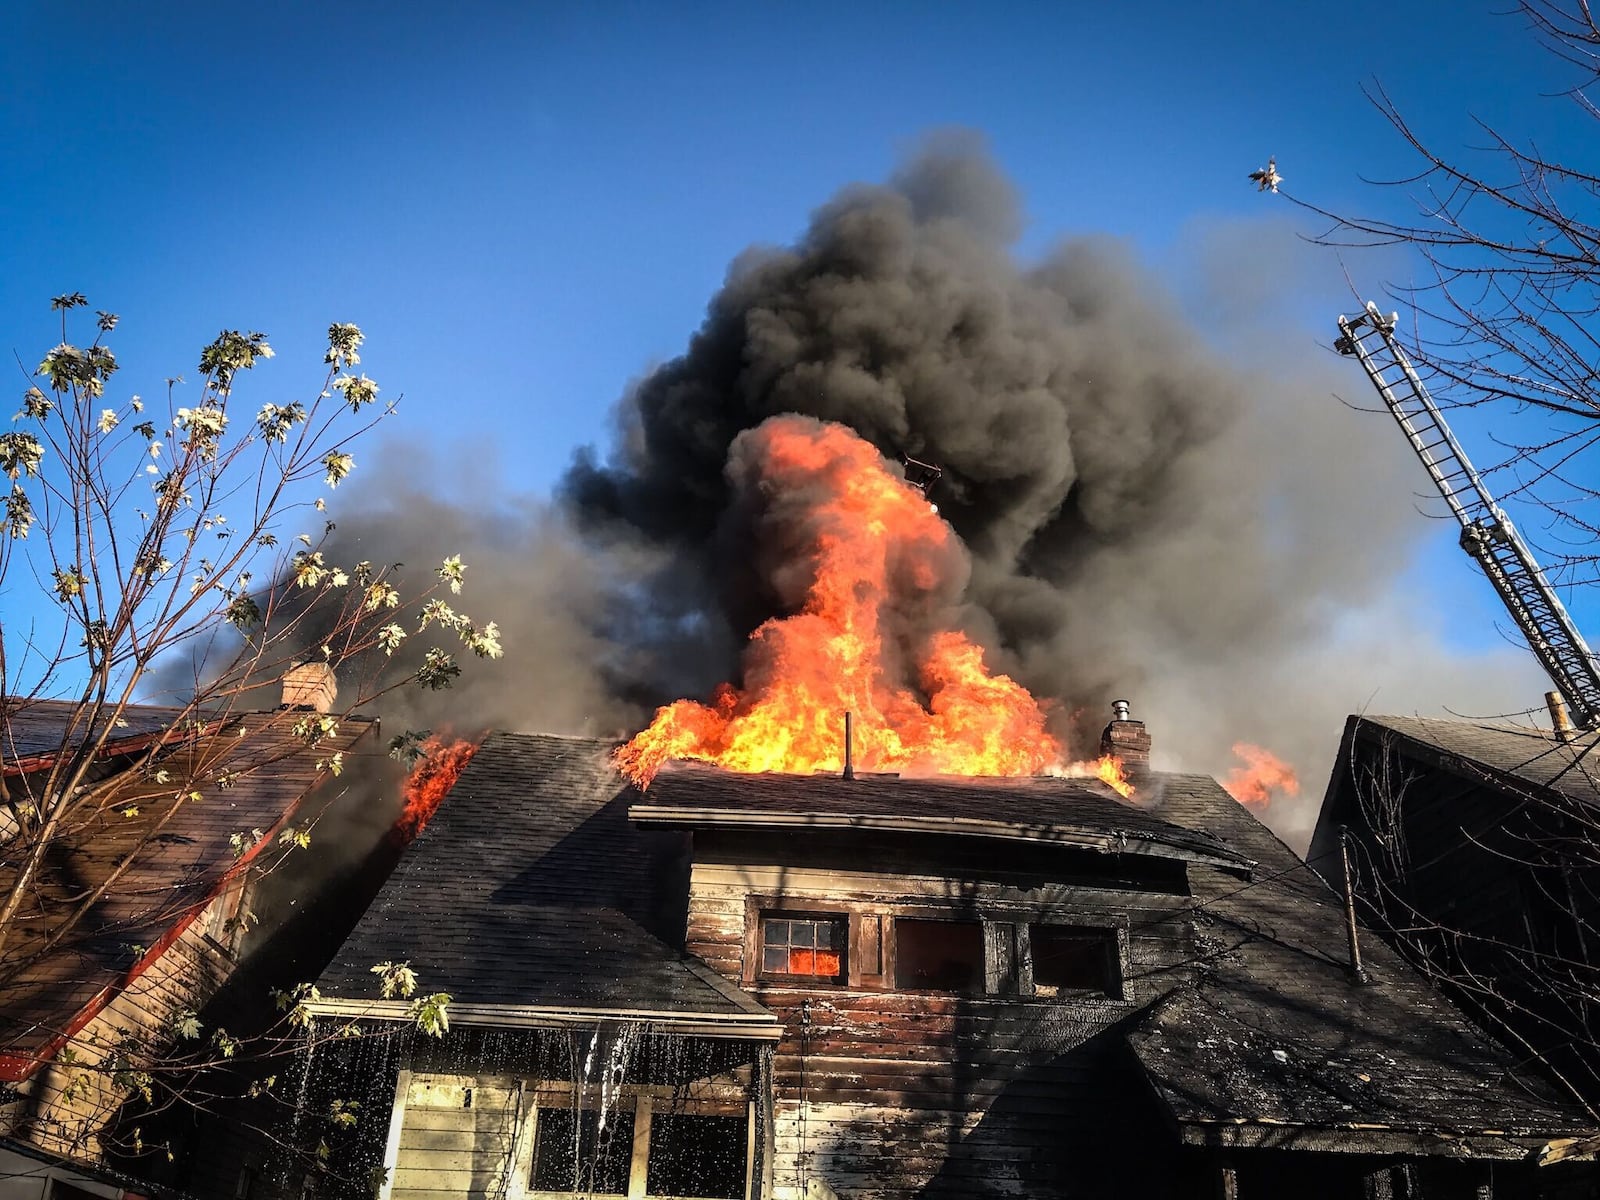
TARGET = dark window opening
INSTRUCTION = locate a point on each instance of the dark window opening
(1072, 958)
(945, 956)
(803, 947)
(694, 1155)
(571, 1153)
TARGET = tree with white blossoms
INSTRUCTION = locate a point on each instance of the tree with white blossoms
(136, 535)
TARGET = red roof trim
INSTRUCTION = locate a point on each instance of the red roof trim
(14, 1068)
(113, 748)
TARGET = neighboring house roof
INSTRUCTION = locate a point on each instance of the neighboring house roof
(527, 899)
(1486, 750)
(1081, 813)
(34, 731)
(1277, 1044)
(169, 882)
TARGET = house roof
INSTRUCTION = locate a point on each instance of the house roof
(523, 896)
(32, 730)
(1276, 1043)
(185, 858)
(528, 898)
(1515, 752)
(1075, 812)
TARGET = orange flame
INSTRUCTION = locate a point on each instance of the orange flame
(1109, 770)
(870, 569)
(430, 781)
(1263, 775)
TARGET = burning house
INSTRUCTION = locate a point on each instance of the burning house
(781, 985)
(947, 945)
(858, 925)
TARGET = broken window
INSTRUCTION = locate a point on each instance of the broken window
(945, 956)
(697, 1155)
(571, 1153)
(1074, 958)
(804, 947)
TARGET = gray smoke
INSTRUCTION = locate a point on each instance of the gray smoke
(1188, 520)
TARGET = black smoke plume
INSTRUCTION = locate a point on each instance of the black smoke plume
(1192, 522)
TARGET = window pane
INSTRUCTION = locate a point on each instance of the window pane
(789, 946)
(693, 1155)
(1071, 958)
(595, 1162)
(944, 956)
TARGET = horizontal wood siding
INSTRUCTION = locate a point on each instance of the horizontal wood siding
(449, 1149)
(883, 1095)
(70, 1104)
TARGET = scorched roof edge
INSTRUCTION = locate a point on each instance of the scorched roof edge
(1120, 841)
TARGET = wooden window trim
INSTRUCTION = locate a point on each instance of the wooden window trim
(1114, 926)
(839, 917)
(859, 915)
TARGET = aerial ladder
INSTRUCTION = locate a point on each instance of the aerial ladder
(1487, 534)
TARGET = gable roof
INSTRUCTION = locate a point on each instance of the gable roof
(1276, 1042)
(1081, 813)
(528, 898)
(186, 858)
(1484, 749)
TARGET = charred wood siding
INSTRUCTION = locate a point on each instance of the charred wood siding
(883, 1094)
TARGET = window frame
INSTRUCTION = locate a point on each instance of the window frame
(985, 954)
(871, 949)
(223, 920)
(1114, 932)
(840, 922)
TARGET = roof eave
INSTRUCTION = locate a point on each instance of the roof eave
(1060, 834)
(741, 1026)
(1354, 1137)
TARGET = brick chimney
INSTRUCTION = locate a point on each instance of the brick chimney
(310, 685)
(1128, 740)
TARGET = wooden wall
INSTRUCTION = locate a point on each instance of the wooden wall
(446, 1150)
(883, 1095)
(68, 1104)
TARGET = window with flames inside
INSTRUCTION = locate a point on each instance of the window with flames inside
(926, 951)
(803, 947)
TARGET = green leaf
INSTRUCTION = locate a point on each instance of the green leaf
(395, 979)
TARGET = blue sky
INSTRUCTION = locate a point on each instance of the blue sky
(526, 205)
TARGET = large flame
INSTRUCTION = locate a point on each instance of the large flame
(430, 780)
(872, 576)
(1262, 776)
